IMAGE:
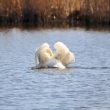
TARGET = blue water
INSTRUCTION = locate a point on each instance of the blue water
(85, 85)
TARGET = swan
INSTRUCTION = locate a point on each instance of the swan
(61, 58)
(44, 58)
(63, 54)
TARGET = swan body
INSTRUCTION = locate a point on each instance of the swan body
(54, 63)
(45, 58)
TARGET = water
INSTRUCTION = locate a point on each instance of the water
(83, 86)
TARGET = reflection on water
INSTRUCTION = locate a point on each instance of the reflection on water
(84, 85)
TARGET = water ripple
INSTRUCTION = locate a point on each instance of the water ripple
(85, 85)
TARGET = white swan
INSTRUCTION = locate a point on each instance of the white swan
(63, 54)
(44, 58)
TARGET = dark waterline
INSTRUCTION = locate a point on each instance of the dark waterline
(61, 27)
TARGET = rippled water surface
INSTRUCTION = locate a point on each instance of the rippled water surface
(85, 85)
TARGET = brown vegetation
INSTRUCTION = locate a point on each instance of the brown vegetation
(55, 11)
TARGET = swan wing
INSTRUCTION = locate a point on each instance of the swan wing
(43, 55)
(63, 54)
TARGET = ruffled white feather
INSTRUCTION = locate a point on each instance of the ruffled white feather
(45, 58)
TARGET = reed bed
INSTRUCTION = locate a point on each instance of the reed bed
(55, 11)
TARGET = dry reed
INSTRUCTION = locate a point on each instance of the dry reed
(54, 11)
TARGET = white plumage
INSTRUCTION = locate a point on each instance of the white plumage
(45, 58)
(63, 54)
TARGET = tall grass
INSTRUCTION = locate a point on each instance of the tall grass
(54, 11)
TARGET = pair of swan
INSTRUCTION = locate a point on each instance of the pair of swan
(45, 58)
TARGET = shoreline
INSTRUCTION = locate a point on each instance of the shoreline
(46, 27)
